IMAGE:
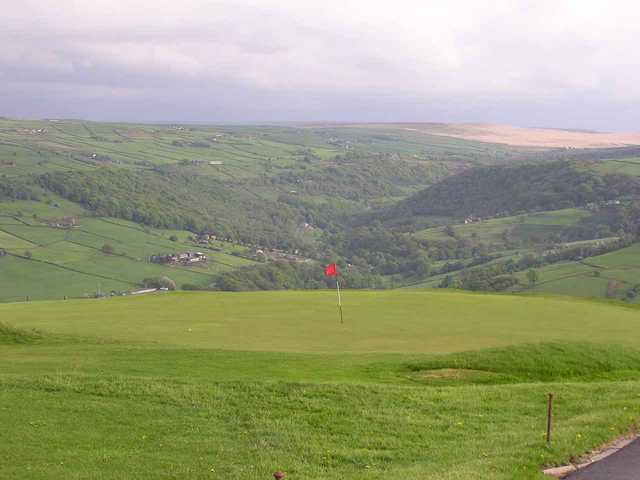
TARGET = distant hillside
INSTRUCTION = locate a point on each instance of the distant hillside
(169, 198)
(328, 193)
(529, 137)
(504, 190)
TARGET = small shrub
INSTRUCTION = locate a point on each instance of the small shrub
(108, 249)
(160, 282)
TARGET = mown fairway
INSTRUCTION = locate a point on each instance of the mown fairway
(197, 385)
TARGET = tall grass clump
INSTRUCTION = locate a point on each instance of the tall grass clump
(10, 334)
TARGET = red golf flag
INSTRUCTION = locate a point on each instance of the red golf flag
(331, 270)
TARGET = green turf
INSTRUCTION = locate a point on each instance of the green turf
(132, 393)
(389, 321)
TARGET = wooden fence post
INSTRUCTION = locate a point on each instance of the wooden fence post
(549, 417)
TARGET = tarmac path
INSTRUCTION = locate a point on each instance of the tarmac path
(622, 465)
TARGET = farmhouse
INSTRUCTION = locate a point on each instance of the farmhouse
(205, 238)
(193, 162)
(595, 206)
(215, 162)
(275, 254)
(186, 258)
(2, 252)
(66, 222)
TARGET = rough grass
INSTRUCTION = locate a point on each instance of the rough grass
(539, 362)
(12, 335)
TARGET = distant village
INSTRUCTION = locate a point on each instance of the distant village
(65, 222)
(199, 163)
(598, 205)
(185, 258)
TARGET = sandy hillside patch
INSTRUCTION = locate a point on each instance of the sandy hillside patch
(528, 137)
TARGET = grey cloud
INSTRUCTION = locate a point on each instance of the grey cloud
(525, 62)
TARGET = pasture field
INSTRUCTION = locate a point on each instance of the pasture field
(34, 147)
(526, 227)
(611, 274)
(623, 166)
(414, 385)
(70, 262)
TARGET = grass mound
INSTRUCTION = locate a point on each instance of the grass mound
(531, 363)
(9, 335)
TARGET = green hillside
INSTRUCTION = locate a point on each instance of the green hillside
(242, 384)
(504, 190)
(613, 275)
(392, 206)
(527, 227)
(44, 262)
(289, 188)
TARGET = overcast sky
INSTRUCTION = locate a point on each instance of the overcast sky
(560, 63)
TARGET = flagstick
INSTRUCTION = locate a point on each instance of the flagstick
(339, 299)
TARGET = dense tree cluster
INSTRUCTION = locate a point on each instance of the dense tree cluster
(380, 250)
(359, 178)
(283, 275)
(169, 198)
(507, 190)
(17, 189)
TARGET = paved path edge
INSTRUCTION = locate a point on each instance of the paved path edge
(595, 456)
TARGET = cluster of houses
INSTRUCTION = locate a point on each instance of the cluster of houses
(205, 238)
(199, 163)
(276, 254)
(346, 144)
(35, 131)
(216, 137)
(7, 163)
(97, 157)
(66, 222)
(606, 203)
(472, 219)
(186, 258)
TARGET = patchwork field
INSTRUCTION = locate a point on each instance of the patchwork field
(527, 227)
(45, 262)
(612, 274)
(623, 166)
(414, 385)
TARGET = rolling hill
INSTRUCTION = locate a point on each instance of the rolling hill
(392, 205)
(527, 136)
